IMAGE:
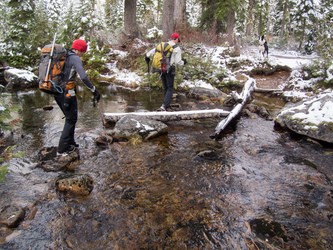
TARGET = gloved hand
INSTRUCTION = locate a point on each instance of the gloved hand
(184, 60)
(147, 59)
(97, 95)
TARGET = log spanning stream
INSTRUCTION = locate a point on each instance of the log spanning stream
(252, 188)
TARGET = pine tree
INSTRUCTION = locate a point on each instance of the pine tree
(305, 24)
(25, 25)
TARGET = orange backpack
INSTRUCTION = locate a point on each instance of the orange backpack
(52, 83)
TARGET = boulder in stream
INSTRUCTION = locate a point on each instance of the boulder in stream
(18, 79)
(50, 162)
(312, 117)
(81, 184)
(133, 125)
(200, 93)
(11, 215)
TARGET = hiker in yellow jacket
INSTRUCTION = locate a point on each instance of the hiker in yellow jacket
(168, 77)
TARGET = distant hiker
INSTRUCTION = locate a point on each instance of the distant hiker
(263, 47)
(169, 55)
(67, 100)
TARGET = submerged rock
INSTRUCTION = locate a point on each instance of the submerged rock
(268, 229)
(50, 162)
(132, 125)
(77, 184)
(11, 215)
(312, 117)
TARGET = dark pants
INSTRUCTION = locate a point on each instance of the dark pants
(167, 81)
(70, 112)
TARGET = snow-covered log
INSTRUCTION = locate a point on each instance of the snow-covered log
(269, 91)
(244, 96)
(170, 116)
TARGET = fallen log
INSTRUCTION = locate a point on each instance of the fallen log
(170, 116)
(244, 96)
(269, 91)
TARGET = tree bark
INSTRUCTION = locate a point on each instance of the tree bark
(249, 22)
(283, 22)
(131, 28)
(230, 25)
(180, 14)
(259, 25)
(169, 116)
(243, 97)
(168, 18)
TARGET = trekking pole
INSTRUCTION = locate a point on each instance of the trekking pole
(50, 60)
(103, 122)
(149, 82)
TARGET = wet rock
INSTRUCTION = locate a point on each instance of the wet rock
(252, 108)
(128, 194)
(47, 153)
(104, 140)
(200, 93)
(32, 213)
(176, 106)
(261, 111)
(207, 155)
(48, 107)
(249, 114)
(11, 215)
(77, 184)
(3, 82)
(58, 163)
(268, 228)
(311, 117)
(18, 79)
(132, 125)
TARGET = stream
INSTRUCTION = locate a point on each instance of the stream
(253, 188)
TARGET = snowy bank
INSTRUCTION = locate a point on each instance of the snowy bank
(312, 117)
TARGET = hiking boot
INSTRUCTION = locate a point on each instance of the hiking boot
(162, 108)
(70, 149)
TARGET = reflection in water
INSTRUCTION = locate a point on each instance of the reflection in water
(181, 190)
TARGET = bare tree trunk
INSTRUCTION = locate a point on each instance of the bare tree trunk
(131, 28)
(303, 34)
(230, 25)
(168, 18)
(259, 25)
(283, 23)
(244, 97)
(169, 116)
(249, 22)
(180, 14)
(215, 31)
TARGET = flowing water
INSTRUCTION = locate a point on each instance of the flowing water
(255, 187)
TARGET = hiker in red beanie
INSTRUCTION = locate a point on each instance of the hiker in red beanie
(67, 100)
(168, 77)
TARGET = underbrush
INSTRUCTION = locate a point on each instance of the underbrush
(319, 70)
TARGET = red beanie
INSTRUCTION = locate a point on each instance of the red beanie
(80, 45)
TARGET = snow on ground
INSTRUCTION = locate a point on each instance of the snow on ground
(291, 59)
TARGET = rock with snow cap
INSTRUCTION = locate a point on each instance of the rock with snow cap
(18, 79)
(312, 117)
(132, 125)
